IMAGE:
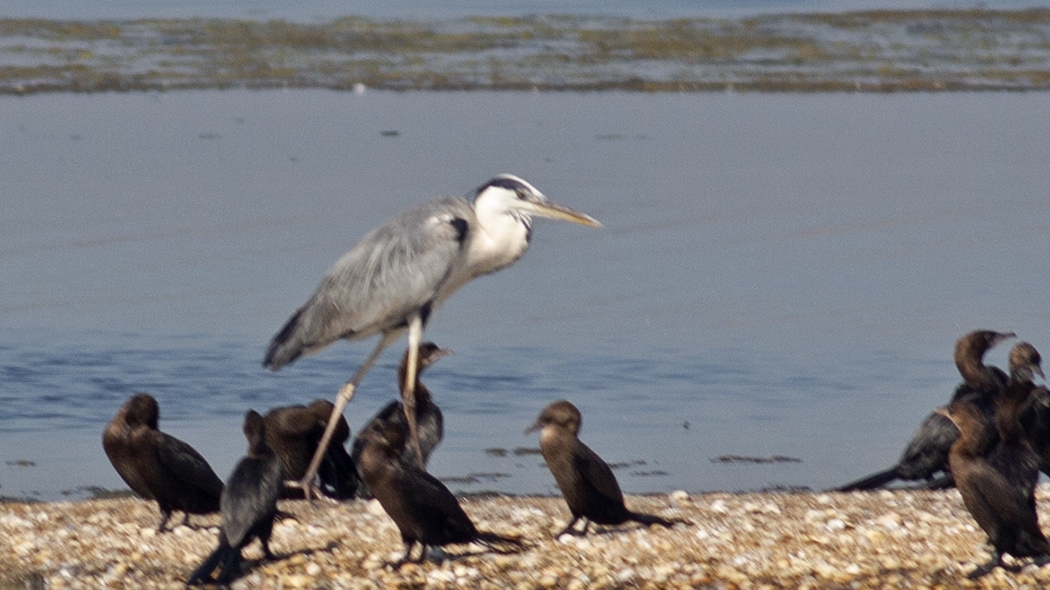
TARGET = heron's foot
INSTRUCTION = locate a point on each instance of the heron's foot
(310, 491)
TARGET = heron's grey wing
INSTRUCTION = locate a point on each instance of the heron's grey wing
(394, 271)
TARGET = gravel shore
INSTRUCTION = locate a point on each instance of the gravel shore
(888, 539)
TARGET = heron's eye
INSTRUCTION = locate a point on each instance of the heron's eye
(522, 195)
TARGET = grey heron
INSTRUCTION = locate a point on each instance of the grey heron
(394, 278)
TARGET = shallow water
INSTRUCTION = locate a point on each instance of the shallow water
(325, 9)
(778, 274)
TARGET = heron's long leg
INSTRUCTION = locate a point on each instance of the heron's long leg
(345, 393)
(408, 388)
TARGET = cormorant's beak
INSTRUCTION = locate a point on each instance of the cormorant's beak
(1003, 336)
(534, 428)
(439, 354)
(1038, 370)
(941, 411)
(554, 211)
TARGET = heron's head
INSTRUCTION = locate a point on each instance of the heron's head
(508, 194)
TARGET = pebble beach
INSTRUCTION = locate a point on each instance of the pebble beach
(888, 539)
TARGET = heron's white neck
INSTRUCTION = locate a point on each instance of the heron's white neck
(495, 241)
(498, 240)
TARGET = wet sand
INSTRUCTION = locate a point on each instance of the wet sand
(885, 539)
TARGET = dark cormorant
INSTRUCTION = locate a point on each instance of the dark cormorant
(1035, 417)
(1014, 456)
(586, 481)
(158, 466)
(249, 504)
(293, 432)
(927, 453)
(424, 510)
(1003, 509)
(429, 420)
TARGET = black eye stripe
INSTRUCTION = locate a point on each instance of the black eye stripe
(509, 184)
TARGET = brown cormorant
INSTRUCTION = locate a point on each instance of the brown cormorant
(1014, 456)
(429, 420)
(158, 466)
(424, 510)
(1003, 509)
(927, 453)
(249, 504)
(586, 481)
(293, 433)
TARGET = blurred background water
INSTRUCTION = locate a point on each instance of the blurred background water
(778, 274)
(307, 10)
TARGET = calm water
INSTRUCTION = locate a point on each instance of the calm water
(328, 9)
(778, 274)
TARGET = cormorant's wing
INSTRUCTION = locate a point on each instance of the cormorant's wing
(250, 497)
(186, 464)
(596, 472)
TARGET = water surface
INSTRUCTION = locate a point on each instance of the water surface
(778, 274)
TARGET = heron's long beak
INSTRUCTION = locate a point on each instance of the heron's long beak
(555, 211)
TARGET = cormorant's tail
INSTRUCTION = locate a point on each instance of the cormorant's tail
(871, 482)
(944, 482)
(648, 519)
(338, 473)
(224, 557)
(499, 542)
(286, 346)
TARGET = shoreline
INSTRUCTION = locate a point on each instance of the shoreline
(747, 540)
(863, 51)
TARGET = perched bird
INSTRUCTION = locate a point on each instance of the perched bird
(927, 453)
(424, 510)
(158, 466)
(293, 433)
(1014, 455)
(1003, 509)
(249, 504)
(1035, 417)
(585, 480)
(431, 423)
(402, 270)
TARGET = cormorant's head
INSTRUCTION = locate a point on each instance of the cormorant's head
(255, 432)
(387, 435)
(561, 415)
(1025, 361)
(976, 343)
(142, 409)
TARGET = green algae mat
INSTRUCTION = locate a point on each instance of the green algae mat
(874, 51)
